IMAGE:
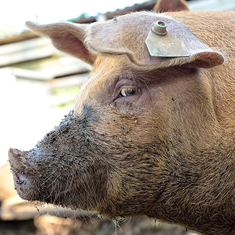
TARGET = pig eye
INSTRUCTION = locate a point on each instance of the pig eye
(128, 91)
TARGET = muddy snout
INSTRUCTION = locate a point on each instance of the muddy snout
(18, 166)
(15, 156)
(21, 167)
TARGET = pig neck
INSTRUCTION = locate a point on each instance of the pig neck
(198, 191)
(193, 191)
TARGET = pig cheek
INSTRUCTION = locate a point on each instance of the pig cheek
(131, 121)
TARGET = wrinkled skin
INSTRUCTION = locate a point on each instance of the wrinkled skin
(164, 149)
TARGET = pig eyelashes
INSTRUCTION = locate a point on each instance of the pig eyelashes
(128, 91)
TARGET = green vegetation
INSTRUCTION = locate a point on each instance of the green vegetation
(65, 97)
(66, 90)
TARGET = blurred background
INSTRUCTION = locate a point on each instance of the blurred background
(38, 86)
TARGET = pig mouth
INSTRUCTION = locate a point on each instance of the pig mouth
(21, 170)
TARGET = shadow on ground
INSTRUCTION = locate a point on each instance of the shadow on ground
(52, 225)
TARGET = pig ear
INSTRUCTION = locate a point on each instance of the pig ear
(171, 5)
(128, 36)
(66, 37)
(205, 59)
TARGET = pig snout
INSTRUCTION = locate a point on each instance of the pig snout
(61, 168)
(22, 167)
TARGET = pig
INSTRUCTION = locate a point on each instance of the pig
(148, 135)
(171, 5)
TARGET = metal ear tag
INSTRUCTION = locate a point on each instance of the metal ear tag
(162, 44)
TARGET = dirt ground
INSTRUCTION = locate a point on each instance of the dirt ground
(51, 225)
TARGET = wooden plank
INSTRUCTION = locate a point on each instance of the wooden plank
(37, 53)
(69, 81)
(48, 74)
(16, 38)
(25, 51)
(24, 46)
(17, 209)
(32, 74)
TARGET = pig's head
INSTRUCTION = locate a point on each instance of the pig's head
(133, 143)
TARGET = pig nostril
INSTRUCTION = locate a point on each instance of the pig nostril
(21, 178)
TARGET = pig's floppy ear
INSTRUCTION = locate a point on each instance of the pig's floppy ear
(66, 37)
(128, 33)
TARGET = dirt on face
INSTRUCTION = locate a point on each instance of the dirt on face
(80, 166)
